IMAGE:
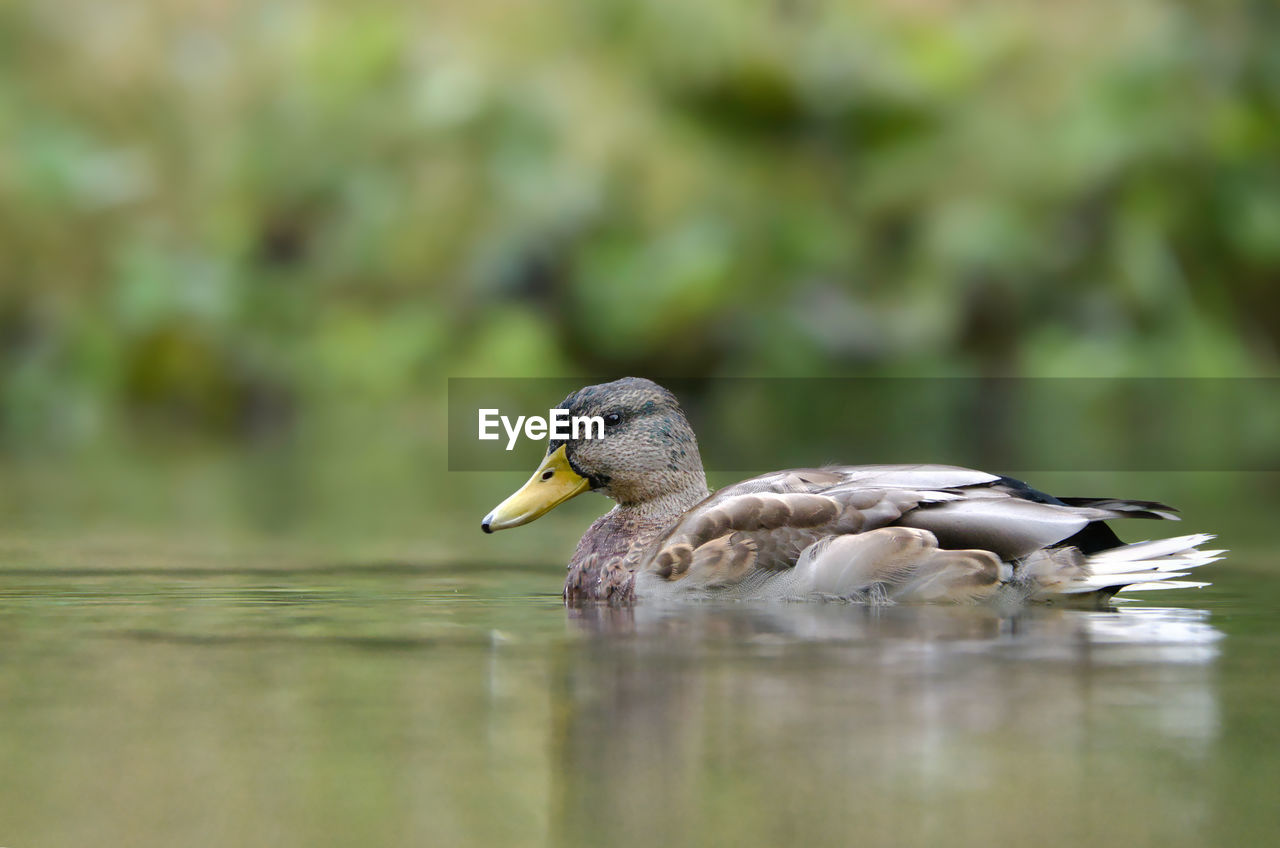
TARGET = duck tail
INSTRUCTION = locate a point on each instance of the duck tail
(1127, 508)
(1137, 567)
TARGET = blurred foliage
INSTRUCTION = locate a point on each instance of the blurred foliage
(229, 218)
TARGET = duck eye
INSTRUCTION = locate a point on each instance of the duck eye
(612, 419)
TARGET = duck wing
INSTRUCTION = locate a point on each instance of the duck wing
(763, 525)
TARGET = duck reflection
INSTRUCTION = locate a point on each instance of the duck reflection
(774, 724)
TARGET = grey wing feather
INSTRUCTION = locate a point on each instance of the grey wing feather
(1008, 526)
(912, 476)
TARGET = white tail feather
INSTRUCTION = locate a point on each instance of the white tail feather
(1164, 584)
(1148, 550)
(1137, 567)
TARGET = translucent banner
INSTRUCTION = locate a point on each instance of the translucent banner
(1046, 424)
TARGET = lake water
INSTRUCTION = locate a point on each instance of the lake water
(161, 704)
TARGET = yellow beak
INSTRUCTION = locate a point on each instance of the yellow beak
(552, 484)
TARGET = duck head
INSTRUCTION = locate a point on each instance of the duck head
(647, 458)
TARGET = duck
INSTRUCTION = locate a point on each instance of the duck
(874, 534)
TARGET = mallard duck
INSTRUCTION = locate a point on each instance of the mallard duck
(870, 533)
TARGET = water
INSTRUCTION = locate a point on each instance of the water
(311, 705)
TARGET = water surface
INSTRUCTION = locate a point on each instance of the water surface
(415, 705)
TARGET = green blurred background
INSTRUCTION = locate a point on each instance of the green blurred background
(243, 245)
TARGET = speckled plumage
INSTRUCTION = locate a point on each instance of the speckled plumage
(601, 567)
